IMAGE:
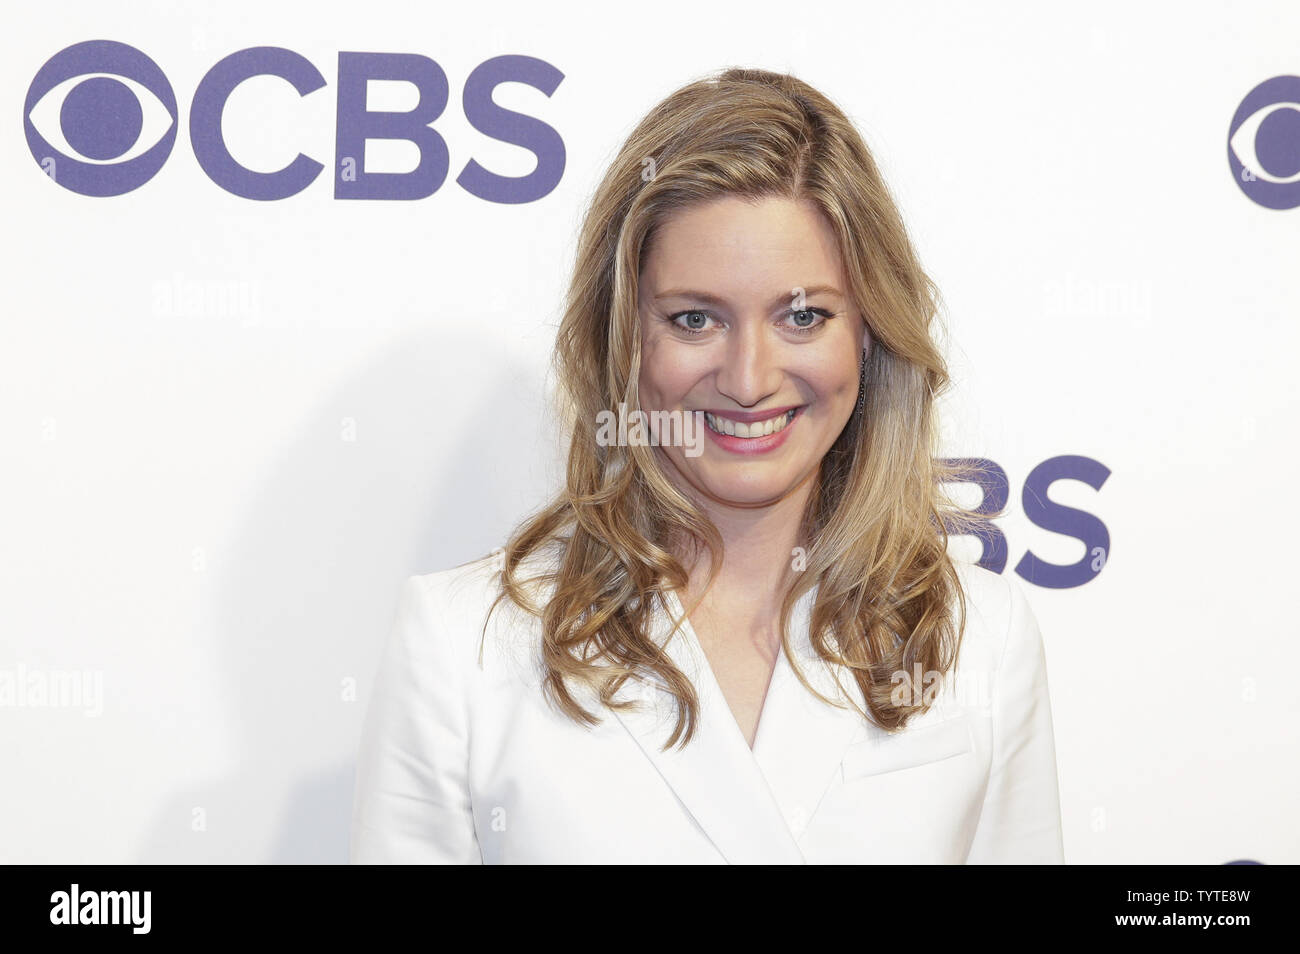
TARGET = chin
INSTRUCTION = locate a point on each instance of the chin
(748, 492)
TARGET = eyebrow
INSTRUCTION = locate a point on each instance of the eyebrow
(710, 299)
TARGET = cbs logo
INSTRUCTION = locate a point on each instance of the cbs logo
(101, 119)
(1041, 511)
(1264, 143)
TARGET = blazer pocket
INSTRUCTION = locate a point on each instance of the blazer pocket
(907, 750)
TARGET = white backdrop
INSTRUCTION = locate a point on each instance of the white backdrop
(232, 427)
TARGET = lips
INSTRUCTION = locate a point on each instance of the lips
(765, 435)
(758, 426)
(749, 417)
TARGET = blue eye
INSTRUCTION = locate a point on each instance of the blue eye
(806, 320)
(810, 314)
(695, 321)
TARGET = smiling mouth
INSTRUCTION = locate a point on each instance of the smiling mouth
(730, 428)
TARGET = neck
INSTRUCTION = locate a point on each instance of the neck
(758, 550)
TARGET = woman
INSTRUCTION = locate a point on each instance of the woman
(739, 643)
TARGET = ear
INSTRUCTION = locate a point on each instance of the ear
(866, 339)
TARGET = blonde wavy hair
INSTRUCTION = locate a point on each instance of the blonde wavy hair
(878, 520)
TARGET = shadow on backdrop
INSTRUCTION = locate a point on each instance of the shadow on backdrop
(306, 598)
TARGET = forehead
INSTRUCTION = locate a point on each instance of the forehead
(743, 248)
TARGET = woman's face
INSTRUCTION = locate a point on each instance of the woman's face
(744, 315)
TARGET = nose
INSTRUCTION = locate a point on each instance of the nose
(749, 371)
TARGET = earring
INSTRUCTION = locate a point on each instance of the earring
(862, 384)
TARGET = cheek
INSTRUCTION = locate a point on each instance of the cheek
(831, 378)
(668, 374)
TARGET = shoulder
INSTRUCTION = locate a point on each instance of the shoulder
(988, 595)
(1001, 629)
(464, 609)
(996, 601)
(471, 587)
(463, 589)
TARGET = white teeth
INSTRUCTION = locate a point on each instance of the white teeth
(725, 425)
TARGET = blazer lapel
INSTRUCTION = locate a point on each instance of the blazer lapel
(716, 776)
(754, 804)
(801, 740)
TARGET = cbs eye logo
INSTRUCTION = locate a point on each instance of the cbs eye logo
(100, 118)
(1264, 143)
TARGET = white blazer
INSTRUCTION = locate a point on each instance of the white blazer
(462, 764)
